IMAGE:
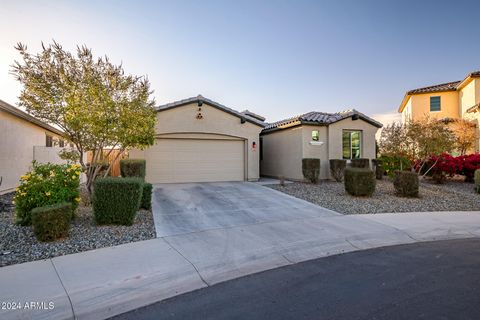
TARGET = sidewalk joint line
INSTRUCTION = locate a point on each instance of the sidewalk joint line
(63, 286)
(356, 247)
(194, 267)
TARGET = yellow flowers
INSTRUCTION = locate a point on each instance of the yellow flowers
(48, 193)
(52, 173)
(77, 199)
(25, 177)
(74, 177)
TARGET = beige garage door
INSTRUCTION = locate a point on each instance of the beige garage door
(195, 160)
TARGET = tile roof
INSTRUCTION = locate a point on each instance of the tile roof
(449, 86)
(321, 118)
(27, 117)
(201, 99)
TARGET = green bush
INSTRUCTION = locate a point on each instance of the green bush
(360, 163)
(406, 183)
(337, 168)
(477, 180)
(133, 168)
(146, 202)
(359, 181)
(393, 163)
(51, 222)
(44, 185)
(311, 169)
(116, 200)
(377, 166)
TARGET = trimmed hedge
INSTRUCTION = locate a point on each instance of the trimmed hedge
(377, 166)
(477, 180)
(337, 168)
(359, 181)
(146, 202)
(311, 169)
(52, 222)
(116, 200)
(360, 163)
(406, 183)
(133, 168)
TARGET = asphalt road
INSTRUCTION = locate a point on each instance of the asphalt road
(435, 280)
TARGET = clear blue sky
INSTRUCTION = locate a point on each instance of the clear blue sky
(276, 58)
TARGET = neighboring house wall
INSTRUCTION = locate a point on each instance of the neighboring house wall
(284, 149)
(420, 105)
(407, 112)
(214, 124)
(282, 153)
(18, 139)
(467, 97)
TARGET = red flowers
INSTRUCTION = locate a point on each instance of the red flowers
(448, 165)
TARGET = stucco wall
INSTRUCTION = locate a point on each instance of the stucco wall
(466, 97)
(335, 131)
(315, 149)
(449, 105)
(407, 111)
(18, 138)
(282, 153)
(215, 123)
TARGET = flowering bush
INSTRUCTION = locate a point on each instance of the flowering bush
(47, 184)
(470, 163)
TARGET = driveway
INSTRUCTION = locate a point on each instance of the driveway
(193, 207)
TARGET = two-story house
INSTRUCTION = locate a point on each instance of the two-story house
(452, 100)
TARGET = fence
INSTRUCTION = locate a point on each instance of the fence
(115, 170)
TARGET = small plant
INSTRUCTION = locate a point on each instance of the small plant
(51, 222)
(133, 168)
(337, 169)
(311, 169)
(116, 200)
(360, 163)
(359, 181)
(69, 155)
(146, 202)
(477, 180)
(46, 184)
(377, 166)
(392, 163)
(406, 183)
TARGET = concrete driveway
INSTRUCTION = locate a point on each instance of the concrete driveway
(193, 207)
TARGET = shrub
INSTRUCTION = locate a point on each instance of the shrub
(133, 168)
(51, 222)
(393, 163)
(337, 168)
(116, 200)
(44, 185)
(469, 164)
(311, 169)
(439, 167)
(359, 181)
(377, 166)
(146, 202)
(360, 163)
(477, 180)
(406, 183)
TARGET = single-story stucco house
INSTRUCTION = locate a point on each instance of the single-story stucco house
(343, 135)
(24, 139)
(200, 140)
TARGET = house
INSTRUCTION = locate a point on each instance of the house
(343, 135)
(452, 100)
(200, 140)
(24, 139)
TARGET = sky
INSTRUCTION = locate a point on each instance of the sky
(275, 58)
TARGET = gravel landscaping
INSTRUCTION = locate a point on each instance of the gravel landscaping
(454, 195)
(18, 244)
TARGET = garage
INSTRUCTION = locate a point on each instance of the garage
(200, 140)
(196, 160)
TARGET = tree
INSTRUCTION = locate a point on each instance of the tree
(464, 131)
(96, 105)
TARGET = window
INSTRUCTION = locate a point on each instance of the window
(48, 141)
(61, 143)
(435, 103)
(315, 135)
(352, 144)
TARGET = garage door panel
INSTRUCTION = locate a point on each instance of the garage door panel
(189, 160)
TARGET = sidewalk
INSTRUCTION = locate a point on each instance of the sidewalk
(105, 282)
